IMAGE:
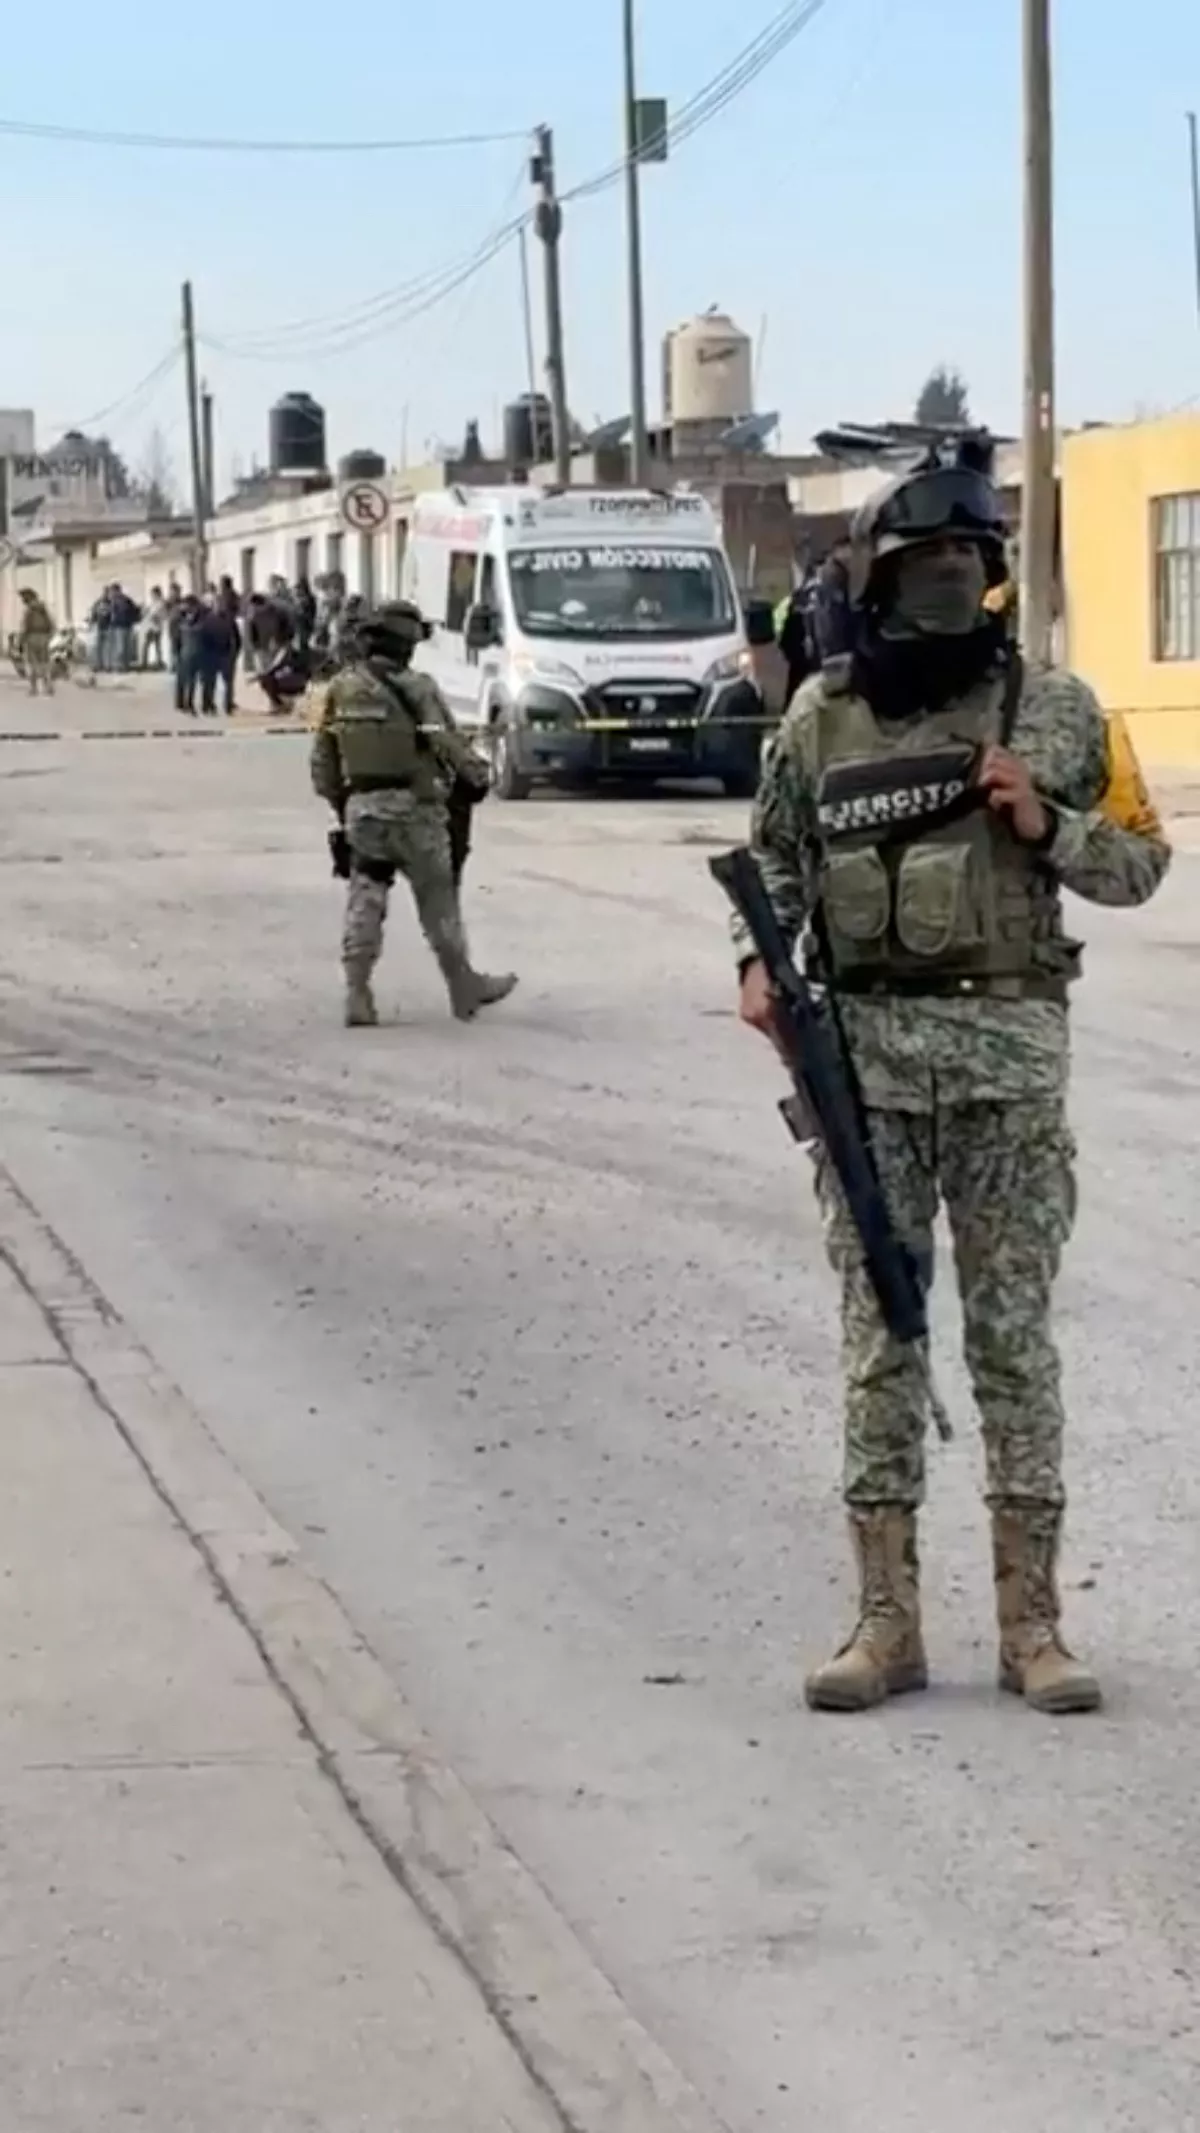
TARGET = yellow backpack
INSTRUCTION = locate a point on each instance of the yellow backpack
(1127, 800)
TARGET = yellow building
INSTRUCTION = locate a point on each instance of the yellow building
(1131, 574)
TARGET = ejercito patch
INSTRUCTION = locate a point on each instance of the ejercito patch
(909, 793)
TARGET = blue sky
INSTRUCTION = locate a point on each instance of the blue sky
(858, 206)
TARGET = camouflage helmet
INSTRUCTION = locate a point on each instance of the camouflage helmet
(399, 620)
(931, 502)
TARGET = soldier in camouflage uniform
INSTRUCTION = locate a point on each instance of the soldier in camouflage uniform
(36, 635)
(923, 806)
(384, 754)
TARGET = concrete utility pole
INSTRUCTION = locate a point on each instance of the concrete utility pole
(548, 224)
(1195, 200)
(206, 451)
(527, 315)
(1039, 500)
(199, 544)
(639, 450)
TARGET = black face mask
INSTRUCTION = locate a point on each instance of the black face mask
(935, 594)
(901, 677)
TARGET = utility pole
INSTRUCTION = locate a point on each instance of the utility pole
(639, 450)
(548, 224)
(527, 315)
(206, 450)
(1039, 499)
(199, 545)
(1195, 201)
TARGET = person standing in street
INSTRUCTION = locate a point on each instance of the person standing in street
(35, 636)
(152, 633)
(225, 643)
(124, 616)
(304, 607)
(102, 626)
(188, 622)
(384, 756)
(921, 810)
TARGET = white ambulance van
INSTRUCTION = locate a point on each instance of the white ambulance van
(587, 634)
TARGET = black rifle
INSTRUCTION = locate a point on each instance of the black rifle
(461, 804)
(827, 1106)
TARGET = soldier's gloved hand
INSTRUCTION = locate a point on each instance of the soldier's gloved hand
(339, 853)
(476, 773)
(1008, 783)
(756, 1002)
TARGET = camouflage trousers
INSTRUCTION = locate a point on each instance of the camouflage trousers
(398, 830)
(37, 664)
(1005, 1174)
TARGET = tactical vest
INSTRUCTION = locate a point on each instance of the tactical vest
(923, 889)
(378, 733)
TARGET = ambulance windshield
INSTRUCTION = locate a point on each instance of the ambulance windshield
(622, 589)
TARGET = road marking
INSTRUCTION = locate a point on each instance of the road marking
(157, 733)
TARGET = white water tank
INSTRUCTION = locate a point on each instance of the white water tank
(708, 371)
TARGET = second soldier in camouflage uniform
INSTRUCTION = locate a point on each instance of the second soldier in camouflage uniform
(943, 925)
(384, 755)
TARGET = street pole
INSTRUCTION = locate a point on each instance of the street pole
(548, 223)
(206, 450)
(639, 450)
(1195, 201)
(1039, 502)
(199, 546)
(527, 316)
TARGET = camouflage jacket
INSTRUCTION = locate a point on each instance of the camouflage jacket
(914, 1054)
(36, 622)
(450, 752)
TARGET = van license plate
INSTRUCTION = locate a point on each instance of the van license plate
(651, 744)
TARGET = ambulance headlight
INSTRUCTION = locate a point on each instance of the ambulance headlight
(732, 666)
(554, 672)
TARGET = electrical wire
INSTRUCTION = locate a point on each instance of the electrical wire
(715, 97)
(354, 333)
(385, 301)
(217, 145)
(340, 333)
(141, 393)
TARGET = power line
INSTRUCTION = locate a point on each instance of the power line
(721, 91)
(141, 393)
(401, 309)
(291, 335)
(340, 333)
(96, 137)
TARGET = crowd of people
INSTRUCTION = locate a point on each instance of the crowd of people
(278, 638)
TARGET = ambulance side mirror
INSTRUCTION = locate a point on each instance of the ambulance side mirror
(759, 618)
(482, 628)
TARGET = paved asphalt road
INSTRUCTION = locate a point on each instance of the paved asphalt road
(523, 1328)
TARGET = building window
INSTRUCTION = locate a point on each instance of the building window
(461, 589)
(400, 539)
(333, 554)
(303, 561)
(247, 570)
(1177, 577)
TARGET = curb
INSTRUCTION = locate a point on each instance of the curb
(591, 2058)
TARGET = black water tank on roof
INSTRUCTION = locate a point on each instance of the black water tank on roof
(528, 431)
(362, 466)
(296, 427)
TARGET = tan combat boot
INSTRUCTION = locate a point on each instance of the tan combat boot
(472, 989)
(360, 1010)
(885, 1656)
(1034, 1661)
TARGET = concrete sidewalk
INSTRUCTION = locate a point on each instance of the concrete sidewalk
(194, 1932)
